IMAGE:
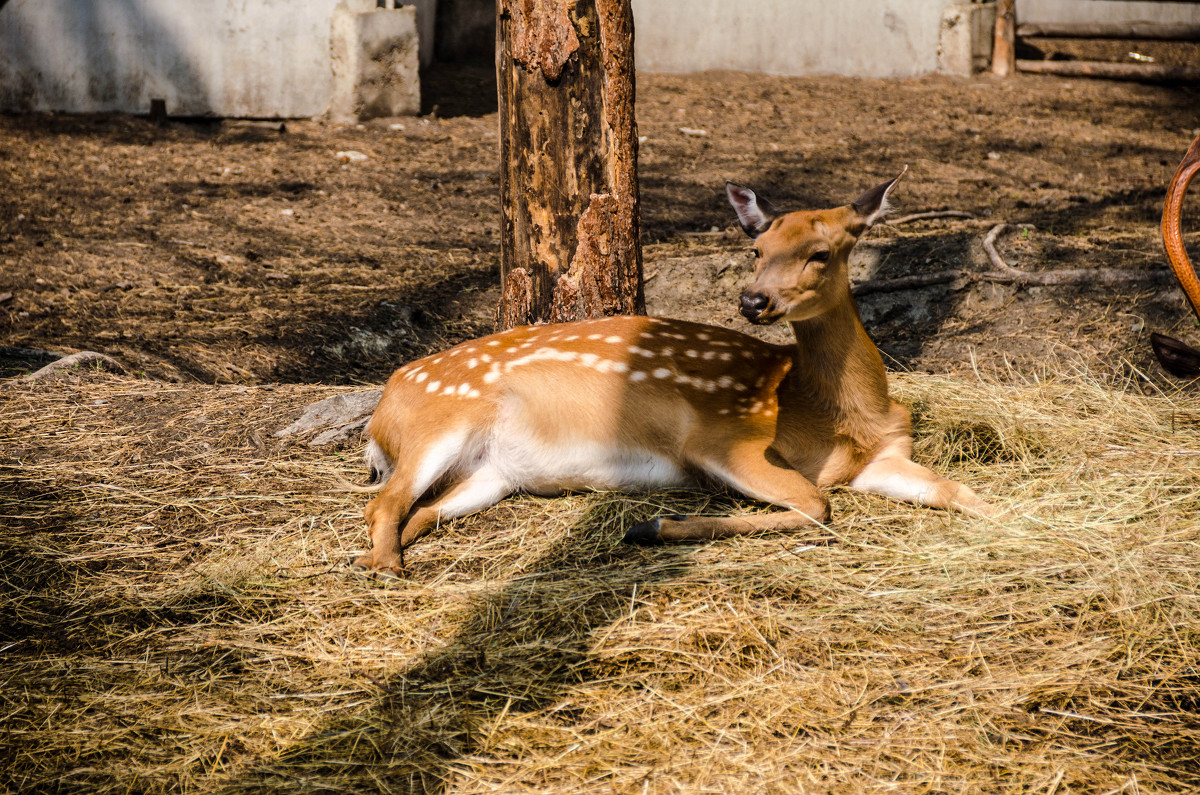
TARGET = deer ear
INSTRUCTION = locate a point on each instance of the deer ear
(874, 204)
(754, 214)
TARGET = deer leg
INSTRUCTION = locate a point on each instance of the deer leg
(753, 474)
(902, 479)
(479, 490)
(383, 515)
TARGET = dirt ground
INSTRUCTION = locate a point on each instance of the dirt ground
(251, 252)
(175, 610)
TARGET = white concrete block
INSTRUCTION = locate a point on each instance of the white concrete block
(375, 64)
(965, 40)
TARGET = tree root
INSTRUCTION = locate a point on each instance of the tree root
(76, 360)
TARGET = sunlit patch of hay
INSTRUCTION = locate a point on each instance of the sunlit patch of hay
(175, 614)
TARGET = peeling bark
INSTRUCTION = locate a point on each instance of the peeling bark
(568, 175)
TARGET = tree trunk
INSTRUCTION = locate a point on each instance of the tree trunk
(569, 246)
(1004, 42)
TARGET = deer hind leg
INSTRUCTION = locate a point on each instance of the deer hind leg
(902, 479)
(477, 491)
(749, 471)
(411, 478)
(383, 515)
(481, 489)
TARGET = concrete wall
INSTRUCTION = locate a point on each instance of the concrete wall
(1090, 11)
(875, 38)
(864, 38)
(238, 58)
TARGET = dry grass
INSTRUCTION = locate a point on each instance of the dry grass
(175, 616)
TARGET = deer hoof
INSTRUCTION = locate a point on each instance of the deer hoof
(646, 534)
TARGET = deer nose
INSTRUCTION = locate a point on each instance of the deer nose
(753, 305)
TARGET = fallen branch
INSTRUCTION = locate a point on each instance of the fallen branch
(914, 282)
(1007, 274)
(904, 219)
(1113, 71)
(76, 360)
(1010, 275)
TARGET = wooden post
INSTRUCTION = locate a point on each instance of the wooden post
(569, 246)
(1004, 44)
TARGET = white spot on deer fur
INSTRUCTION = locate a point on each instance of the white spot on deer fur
(725, 357)
(589, 359)
(448, 390)
(703, 336)
(637, 375)
(723, 411)
(691, 354)
(471, 365)
(708, 355)
(661, 372)
(433, 386)
(463, 389)
(485, 358)
(740, 387)
(725, 382)
(491, 376)
(493, 343)
(421, 377)
(613, 340)
(594, 336)
(572, 338)
(474, 393)
(619, 367)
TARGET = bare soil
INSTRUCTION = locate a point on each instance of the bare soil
(241, 252)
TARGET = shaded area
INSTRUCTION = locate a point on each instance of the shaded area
(525, 648)
(232, 252)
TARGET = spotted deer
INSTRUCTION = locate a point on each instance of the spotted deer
(627, 403)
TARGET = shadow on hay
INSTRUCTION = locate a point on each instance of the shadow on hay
(522, 650)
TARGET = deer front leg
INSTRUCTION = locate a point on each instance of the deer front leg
(903, 479)
(749, 471)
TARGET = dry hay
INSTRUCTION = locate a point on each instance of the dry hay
(175, 614)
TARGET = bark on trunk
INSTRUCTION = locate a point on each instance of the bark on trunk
(1004, 41)
(569, 242)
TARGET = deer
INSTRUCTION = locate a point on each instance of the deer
(1177, 357)
(631, 403)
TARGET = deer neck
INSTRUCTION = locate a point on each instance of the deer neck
(839, 369)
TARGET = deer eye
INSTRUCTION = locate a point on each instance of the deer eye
(819, 256)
